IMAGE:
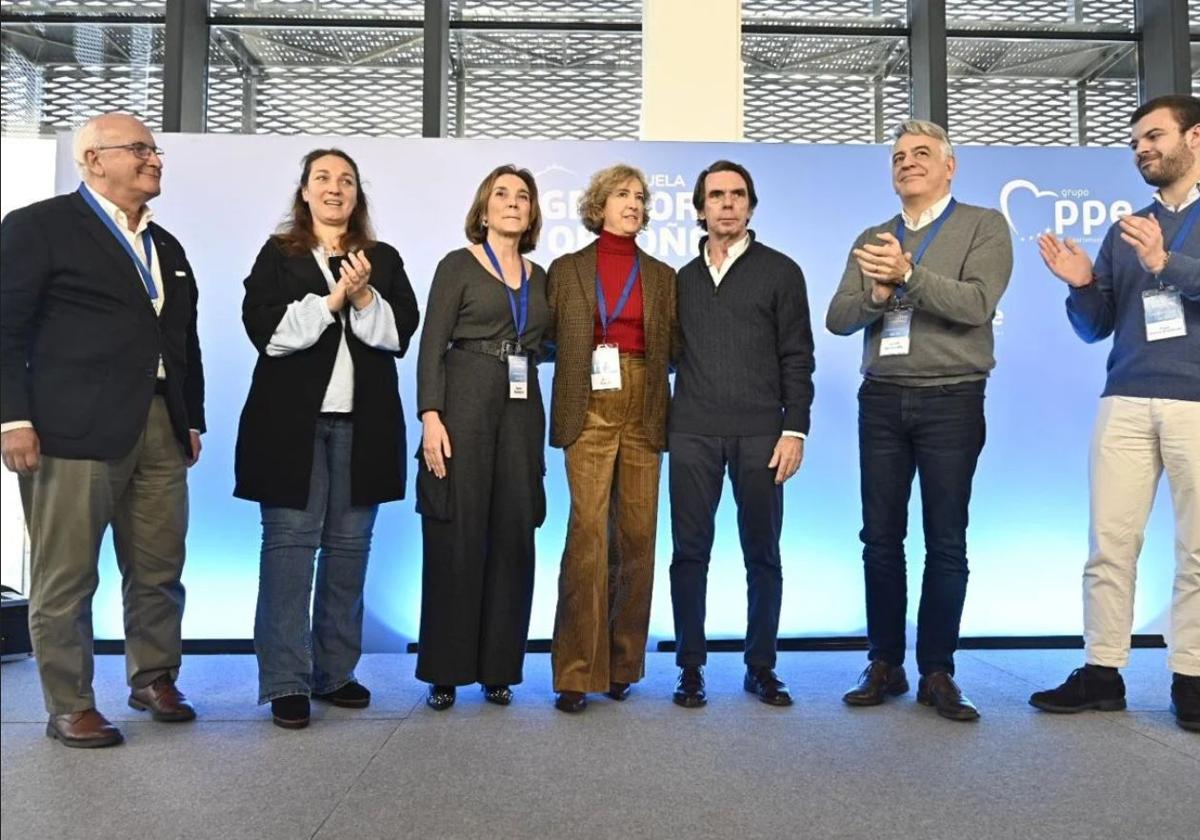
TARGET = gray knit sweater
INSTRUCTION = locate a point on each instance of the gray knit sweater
(954, 291)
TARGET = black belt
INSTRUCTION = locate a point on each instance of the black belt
(160, 387)
(500, 349)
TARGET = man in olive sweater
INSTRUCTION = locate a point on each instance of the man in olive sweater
(923, 287)
(743, 391)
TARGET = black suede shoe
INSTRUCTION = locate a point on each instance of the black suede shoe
(689, 691)
(571, 702)
(501, 695)
(1086, 688)
(618, 690)
(876, 683)
(290, 711)
(769, 688)
(940, 691)
(441, 697)
(1185, 701)
(352, 695)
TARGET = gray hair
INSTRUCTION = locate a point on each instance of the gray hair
(87, 137)
(926, 129)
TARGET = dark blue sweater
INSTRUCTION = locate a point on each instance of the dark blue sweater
(1112, 305)
(747, 348)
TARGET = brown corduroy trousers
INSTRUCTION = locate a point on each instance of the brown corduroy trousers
(607, 572)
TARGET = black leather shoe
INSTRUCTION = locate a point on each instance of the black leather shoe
(617, 690)
(689, 691)
(441, 697)
(501, 695)
(290, 711)
(570, 702)
(769, 688)
(940, 691)
(352, 695)
(876, 683)
(1185, 701)
(1086, 688)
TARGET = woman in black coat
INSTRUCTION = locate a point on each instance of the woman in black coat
(321, 438)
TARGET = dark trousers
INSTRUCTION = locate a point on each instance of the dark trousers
(697, 466)
(478, 526)
(936, 432)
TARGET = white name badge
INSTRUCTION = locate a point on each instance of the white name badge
(1164, 314)
(518, 377)
(606, 368)
(896, 326)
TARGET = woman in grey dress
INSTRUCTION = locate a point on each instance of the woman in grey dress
(481, 463)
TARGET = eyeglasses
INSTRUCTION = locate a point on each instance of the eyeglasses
(141, 151)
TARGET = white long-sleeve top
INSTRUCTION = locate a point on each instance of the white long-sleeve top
(306, 319)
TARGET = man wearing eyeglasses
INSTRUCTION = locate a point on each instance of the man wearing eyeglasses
(101, 410)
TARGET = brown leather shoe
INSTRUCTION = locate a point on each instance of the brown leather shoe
(163, 700)
(876, 683)
(86, 729)
(940, 691)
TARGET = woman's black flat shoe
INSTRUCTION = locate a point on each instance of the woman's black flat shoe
(290, 711)
(441, 697)
(570, 702)
(352, 695)
(618, 690)
(501, 695)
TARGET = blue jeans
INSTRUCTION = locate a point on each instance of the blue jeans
(936, 432)
(292, 658)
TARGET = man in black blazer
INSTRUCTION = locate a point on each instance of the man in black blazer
(101, 410)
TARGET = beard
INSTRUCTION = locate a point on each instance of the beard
(1171, 167)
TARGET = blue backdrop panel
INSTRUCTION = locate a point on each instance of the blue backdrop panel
(1028, 537)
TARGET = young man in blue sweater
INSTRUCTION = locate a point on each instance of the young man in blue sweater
(1144, 290)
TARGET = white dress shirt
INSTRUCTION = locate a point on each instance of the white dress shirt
(1188, 200)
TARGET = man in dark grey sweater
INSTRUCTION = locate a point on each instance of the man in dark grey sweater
(743, 391)
(923, 287)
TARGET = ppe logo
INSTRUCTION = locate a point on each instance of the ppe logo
(1073, 212)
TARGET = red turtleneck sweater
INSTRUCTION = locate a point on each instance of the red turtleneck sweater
(614, 259)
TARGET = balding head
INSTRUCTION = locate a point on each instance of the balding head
(116, 156)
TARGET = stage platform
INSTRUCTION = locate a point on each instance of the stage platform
(639, 769)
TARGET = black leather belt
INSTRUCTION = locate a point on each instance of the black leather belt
(160, 387)
(500, 349)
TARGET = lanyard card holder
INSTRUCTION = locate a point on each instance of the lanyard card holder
(897, 326)
(518, 376)
(606, 368)
(1163, 309)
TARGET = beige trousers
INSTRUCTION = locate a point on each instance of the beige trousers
(69, 503)
(1134, 441)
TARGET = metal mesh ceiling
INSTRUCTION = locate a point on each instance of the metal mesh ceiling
(1088, 15)
(829, 12)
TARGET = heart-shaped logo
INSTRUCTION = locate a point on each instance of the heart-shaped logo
(1013, 186)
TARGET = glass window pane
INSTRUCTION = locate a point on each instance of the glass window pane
(55, 76)
(315, 81)
(85, 7)
(559, 85)
(566, 11)
(831, 12)
(821, 89)
(1086, 15)
(1045, 93)
(379, 9)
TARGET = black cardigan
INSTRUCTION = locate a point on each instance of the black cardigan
(273, 462)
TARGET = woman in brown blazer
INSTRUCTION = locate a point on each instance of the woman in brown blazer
(612, 315)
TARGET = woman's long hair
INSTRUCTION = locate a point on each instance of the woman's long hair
(295, 232)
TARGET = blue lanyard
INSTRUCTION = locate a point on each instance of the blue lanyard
(519, 322)
(147, 243)
(933, 231)
(602, 304)
(1189, 222)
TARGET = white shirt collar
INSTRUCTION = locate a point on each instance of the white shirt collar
(1192, 196)
(928, 216)
(735, 250)
(118, 215)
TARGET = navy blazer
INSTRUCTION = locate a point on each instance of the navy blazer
(79, 338)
